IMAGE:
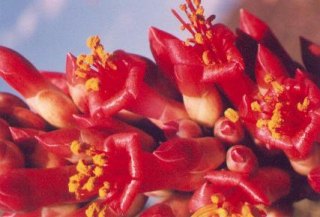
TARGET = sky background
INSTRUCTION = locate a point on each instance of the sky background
(44, 31)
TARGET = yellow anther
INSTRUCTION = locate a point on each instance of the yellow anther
(206, 57)
(83, 168)
(199, 38)
(89, 185)
(92, 210)
(215, 199)
(255, 106)
(232, 115)
(98, 171)
(268, 78)
(200, 11)
(93, 42)
(183, 7)
(74, 182)
(96, 210)
(261, 123)
(303, 107)
(104, 190)
(275, 122)
(277, 87)
(246, 211)
(92, 84)
(75, 147)
(81, 73)
(99, 159)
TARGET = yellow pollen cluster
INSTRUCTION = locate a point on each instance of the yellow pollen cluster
(232, 115)
(274, 123)
(255, 106)
(96, 210)
(89, 172)
(91, 63)
(303, 107)
(219, 208)
(200, 28)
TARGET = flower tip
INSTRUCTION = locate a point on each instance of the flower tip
(252, 25)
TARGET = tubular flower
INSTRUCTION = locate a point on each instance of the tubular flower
(209, 57)
(42, 96)
(122, 170)
(229, 193)
(285, 114)
(102, 84)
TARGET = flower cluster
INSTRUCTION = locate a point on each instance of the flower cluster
(220, 124)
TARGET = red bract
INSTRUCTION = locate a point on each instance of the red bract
(102, 84)
(123, 170)
(42, 96)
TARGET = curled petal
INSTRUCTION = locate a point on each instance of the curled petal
(228, 131)
(241, 159)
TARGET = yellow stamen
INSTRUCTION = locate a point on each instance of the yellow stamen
(255, 106)
(99, 159)
(275, 122)
(261, 123)
(92, 84)
(96, 210)
(268, 78)
(277, 87)
(104, 190)
(98, 171)
(303, 107)
(232, 115)
(93, 42)
(75, 147)
(198, 37)
(222, 208)
(82, 167)
(89, 185)
(206, 57)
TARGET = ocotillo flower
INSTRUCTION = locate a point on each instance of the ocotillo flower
(122, 170)
(42, 96)
(101, 84)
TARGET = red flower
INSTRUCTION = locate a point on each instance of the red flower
(42, 96)
(102, 84)
(285, 113)
(122, 170)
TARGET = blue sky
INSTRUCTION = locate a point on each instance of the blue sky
(44, 31)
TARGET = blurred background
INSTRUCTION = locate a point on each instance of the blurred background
(44, 31)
